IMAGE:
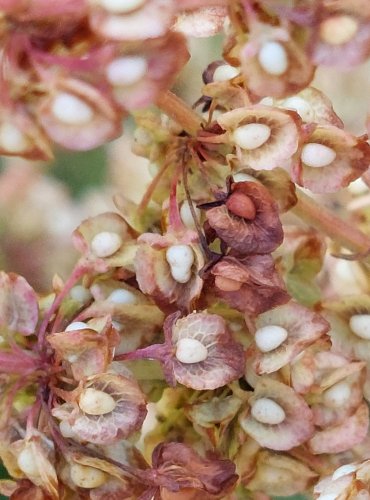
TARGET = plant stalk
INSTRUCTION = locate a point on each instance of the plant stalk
(180, 112)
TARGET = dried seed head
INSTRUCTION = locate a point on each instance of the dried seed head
(180, 258)
(337, 395)
(270, 337)
(106, 243)
(12, 139)
(122, 296)
(227, 284)
(127, 70)
(251, 135)
(273, 58)
(338, 30)
(241, 205)
(225, 72)
(27, 462)
(87, 477)
(76, 325)
(317, 155)
(71, 110)
(360, 325)
(95, 402)
(121, 6)
(266, 411)
(190, 351)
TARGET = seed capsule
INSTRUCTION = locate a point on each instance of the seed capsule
(270, 337)
(180, 259)
(12, 139)
(71, 110)
(122, 296)
(186, 216)
(337, 395)
(317, 155)
(252, 135)
(337, 30)
(266, 411)
(126, 71)
(225, 72)
(241, 205)
(106, 243)
(27, 462)
(273, 58)
(227, 284)
(190, 351)
(300, 106)
(87, 477)
(360, 325)
(95, 402)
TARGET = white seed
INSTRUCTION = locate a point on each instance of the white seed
(266, 411)
(317, 155)
(66, 430)
(122, 296)
(12, 139)
(80, 294)
(299, 105)
(76, 325)
(337, 30)
(191, 351)
(270, 337)
(106, 243)
(252, 135)
(71, 110)
(180, 259)
(186, 216)
(27, 462)
(225, 72)
(360, 325)
(95, 402)
(127, 70)
(337, 395)
(72, 358)
(273, 58)
(87, 477)
(242, 177)
(121, 6)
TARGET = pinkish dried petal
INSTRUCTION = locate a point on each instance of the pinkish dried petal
(126, 417)
(18, 304)
(243, 229)
(330, 159)
(250, 284)
(303, 328)
(297, 425)
(277, 145)
(344, 436)
(203, 22)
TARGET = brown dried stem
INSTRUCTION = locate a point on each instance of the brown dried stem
(180, 112)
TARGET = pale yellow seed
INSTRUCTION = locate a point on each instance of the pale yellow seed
(338, 30)
(95, 402)
(266, 411)
(87, 477)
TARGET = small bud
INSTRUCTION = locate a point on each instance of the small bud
(106, 243)
(338, 30)
(76, 325)
(270, 337)
(225, 72)
(122, 296)
(71, 110)
(266, 411)
(87, 477)
(360, 325)
(12, 139)
(252, 135)
(190, 351)
(227, 284)
(126, 71)
(27, 462)
(95, 402)
(273, 58)
(180, 259)
(337, 395)
(317, 155)
(241, 205)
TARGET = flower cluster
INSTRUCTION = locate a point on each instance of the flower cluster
(191, 353)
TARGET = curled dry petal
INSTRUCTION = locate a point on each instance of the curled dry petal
(261, 232)
(225, 357)
(250, 284)
(18, 304)
(151, 20)
(186, 469)
(126, 417)
(281, 143)
(330, 159)
(295, 429)
(344, 436)
(303, 327)
(77, 116)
